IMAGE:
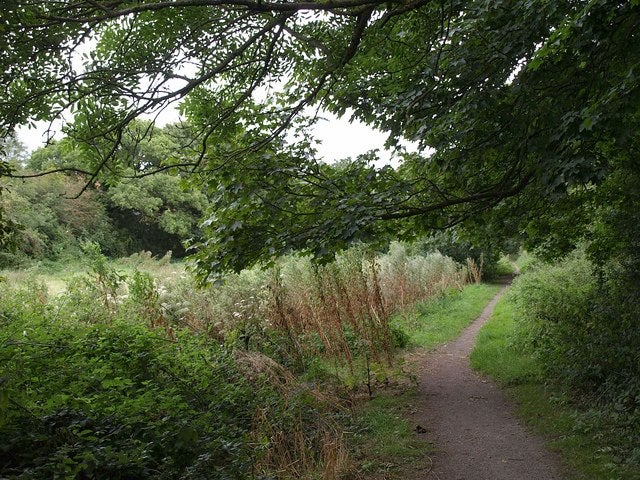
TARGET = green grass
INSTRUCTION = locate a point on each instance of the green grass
(496, 354)
(56, 282)
(56, 275)
(584, 445)
(386, 440)
(437, 321)
(427, 325)
(504, 266)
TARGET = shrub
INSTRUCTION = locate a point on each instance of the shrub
(168, 381)
(297, 310)
(54, 224)
(454, 244)
(89, 390)
(123, 402)
(582, 327)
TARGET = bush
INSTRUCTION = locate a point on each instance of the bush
(583, 327)
(117, 400)
(108, 389)
(52, 224)
(454, 245)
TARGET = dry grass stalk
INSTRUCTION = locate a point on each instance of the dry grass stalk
(256, 365)
(474, 270)
(334, 455)
(354, 298)
(305, 445)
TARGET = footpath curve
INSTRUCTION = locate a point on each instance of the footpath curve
(472, 423)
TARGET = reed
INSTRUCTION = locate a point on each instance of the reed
(346, 305)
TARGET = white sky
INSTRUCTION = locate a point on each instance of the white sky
(339, 137)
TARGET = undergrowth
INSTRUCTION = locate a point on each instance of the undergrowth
(106, 396)
(129, 373)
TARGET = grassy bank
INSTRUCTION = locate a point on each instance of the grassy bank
(434, 322)
(585, 439)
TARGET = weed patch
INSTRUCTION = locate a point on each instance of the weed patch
(387, 442)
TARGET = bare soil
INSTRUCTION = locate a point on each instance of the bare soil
(472, 423)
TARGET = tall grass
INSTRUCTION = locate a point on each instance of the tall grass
(407, 279)
(346, 306)
(268, 326)
(133, 393)
(340, 310)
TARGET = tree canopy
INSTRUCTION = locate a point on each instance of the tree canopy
(525, 111)
(48, 220)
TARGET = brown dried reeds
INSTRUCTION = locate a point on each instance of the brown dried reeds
(300, 449)
(338, 311)
(257, 365)
(474, 270)
(307, 441)
(346, 305)
(407, 279)
(340, 305)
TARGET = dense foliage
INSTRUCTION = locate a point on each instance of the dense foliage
(121, 376)
(583, 328)
(526, 114)
(52, 225)
(58, 212)
(595, 436)
(566, 340)
(118, 401)
(529, 107)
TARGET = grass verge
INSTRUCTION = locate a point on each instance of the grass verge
(387, 444)
(56, 275)
(439, 320)
(385, 441)
(584, 443)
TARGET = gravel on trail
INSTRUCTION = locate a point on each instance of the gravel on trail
(472, 423)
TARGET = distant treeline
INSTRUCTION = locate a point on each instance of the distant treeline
(153, 213)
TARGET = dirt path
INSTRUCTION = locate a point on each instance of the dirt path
(471, 421)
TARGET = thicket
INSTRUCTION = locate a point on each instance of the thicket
(52, 225)
(155, 213)
(341, 310)
(127, 376)
(113, 399)
(580, 321)
(582, 311)
(581, 328)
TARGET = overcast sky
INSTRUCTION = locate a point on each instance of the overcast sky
(340, 138)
